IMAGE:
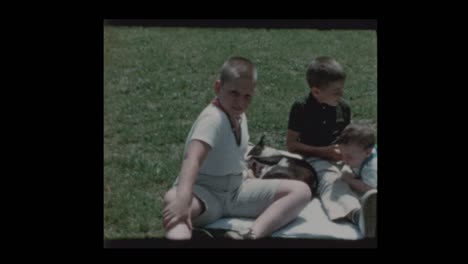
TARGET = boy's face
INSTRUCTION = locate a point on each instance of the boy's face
(354, 155)
(329, 94)
(235, 96)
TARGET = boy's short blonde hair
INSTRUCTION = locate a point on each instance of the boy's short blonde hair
(236, 68)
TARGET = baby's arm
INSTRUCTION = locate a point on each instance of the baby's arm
(355, 184)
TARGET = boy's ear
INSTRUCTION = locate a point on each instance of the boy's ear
(262, 141)
(315, 91)
(217, 86)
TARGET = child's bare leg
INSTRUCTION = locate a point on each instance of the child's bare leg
(181, 231)
(291, 198)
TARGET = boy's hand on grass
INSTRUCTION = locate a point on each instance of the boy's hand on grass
(176, 212)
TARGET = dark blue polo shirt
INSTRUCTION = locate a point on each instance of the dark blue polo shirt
(318, 124)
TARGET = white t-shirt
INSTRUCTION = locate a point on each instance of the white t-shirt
(225, 157)
(369, 171)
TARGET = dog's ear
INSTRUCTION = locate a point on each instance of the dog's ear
(258, 149)
(261, 143)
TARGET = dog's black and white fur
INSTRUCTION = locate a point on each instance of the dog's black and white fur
(279, 166)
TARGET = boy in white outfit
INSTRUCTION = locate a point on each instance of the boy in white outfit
(210, 184)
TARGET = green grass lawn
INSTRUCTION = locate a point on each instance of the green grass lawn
(157, 81)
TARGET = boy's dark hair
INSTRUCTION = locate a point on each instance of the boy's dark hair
(236, 68)
(360, 135)
(324, 70)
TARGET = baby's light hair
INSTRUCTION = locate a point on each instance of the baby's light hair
(360, 135)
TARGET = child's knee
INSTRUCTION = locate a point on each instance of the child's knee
(169, 196)
(301, 191)
(298, 189)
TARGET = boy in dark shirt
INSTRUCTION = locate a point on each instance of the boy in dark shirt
(315, 123)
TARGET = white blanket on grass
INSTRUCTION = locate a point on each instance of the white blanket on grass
(312, 222)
